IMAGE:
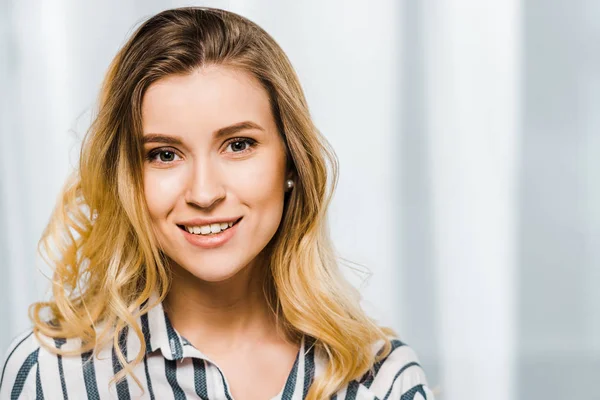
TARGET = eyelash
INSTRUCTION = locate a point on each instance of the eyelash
(151, 157)
(251, 143)
(153, 154)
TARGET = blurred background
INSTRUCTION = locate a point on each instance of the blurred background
(469, 146)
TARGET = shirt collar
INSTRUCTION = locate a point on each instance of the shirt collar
(159, 334)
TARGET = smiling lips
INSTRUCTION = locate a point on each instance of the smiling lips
(208, 229)
(209, 235)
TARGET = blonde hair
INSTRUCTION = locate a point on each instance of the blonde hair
(107, 263)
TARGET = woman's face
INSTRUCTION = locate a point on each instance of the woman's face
(215, 169)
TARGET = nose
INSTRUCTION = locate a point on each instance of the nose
(206, 188)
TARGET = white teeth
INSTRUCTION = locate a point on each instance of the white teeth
(208, 229)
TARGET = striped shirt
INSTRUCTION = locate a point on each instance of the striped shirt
(173, 368)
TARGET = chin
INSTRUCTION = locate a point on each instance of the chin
(210, 270)
(214, 276)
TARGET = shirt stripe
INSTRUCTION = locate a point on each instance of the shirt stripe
(59, 343)
(352, 390)
(410, 395)
(122, 385)
(27, 366)
(309, 367)
(147, 339)
(174, 340)
(200, 378)
(290, 384)
(39, 392)
(14, 348)
(368, 379)
(387, 395)
(227, 391)
(89, 375)
(171, 374)
(172, 368)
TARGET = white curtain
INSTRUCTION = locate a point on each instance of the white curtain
(467, 134)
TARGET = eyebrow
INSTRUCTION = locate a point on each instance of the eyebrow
(222, 132)
(240, 126)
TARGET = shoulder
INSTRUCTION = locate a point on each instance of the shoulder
(26, 356)
(399, 375)
(19, 360)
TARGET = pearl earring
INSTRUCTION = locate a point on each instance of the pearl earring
(289, 184)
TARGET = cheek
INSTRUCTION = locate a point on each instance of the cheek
(162, 188)
(261, 181)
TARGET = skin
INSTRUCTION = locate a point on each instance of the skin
(216, 299)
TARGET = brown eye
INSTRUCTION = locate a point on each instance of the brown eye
(163, 156)
(166, 156)
(240, 145)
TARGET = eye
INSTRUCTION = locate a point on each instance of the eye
(163, 156)
(240, 145)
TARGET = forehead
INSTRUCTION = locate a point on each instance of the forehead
(205, 100)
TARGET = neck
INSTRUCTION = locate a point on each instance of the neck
(222, 314)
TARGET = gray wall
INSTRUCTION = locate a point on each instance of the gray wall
(559, 263)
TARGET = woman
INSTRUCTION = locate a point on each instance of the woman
(190, 248)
